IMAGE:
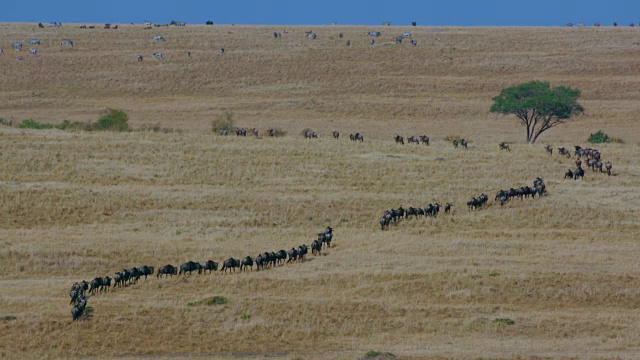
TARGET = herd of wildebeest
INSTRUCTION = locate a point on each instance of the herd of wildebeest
(131, 276)
(266, 260)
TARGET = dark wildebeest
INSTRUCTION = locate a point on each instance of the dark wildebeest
(358, 137)
(424, 139)
(189, 267)
(293, 255)
(246, 262)
(455, 143)
(399, 139)
(316, 247)
(385, 221)
(167, 270)
(549, 149)
(335, 134)
(96, 284)
(280, 257)
(568, 174)
(230, 264)
(504, 146)
(447, 208)
(413, 139)
(260, 260)
(302, 251)
(326, 236)
(210, 265)
(146, 271)
(598, 165)
(464, 143)
(608, 166)
(579, 173)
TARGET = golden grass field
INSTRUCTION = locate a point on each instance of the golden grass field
(79, 205)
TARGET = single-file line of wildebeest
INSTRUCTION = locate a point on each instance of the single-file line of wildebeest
(393, 216)
(477, 203)
(131, 276)
(522, 193)
(588, 156)
(414, 139)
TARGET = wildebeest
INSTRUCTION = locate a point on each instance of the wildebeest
(280, 257)
(96, 284)
(398, 139)
(447, 208)
(33, 51)
(35, 41)
(335, 134)
(414, 42)
(246, 262)
(67, 43)
(326, 236)
(146, 271)
(455, 143)
(504, 146)
(348, 43)
(568, 174)
(210, 265)
(302, 251)
(230, 264)
(356, 137)
(189, 267)
(608, 166)
(167, 270)
(464, 143)
(549, 149)
(293, 255)
(309, 134)
(223, 132)
(578, 173)
(157, 55)
(140, 58)
(424, 139)
(399, 39)
(413, 139)
(158, 38)
(316, 247)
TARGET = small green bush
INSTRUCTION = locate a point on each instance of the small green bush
(114, 120)
(216, 300)
(32, 124)
(504, 321)
(223, 122)
(598, 138)
(372, 353)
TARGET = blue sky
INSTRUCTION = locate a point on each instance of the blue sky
(323, 12)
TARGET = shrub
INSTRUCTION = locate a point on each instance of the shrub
(223, 122)
(504, 321)
(372, 353)
(32, 124)
(73, 126)
(114, 120)
(216, 300)
(600, 137)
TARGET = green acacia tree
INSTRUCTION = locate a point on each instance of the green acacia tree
(538, 106)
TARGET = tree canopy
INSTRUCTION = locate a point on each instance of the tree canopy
(538, 106)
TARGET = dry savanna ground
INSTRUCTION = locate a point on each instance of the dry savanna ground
(74, 206)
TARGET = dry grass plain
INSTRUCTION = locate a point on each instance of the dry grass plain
(78, 205)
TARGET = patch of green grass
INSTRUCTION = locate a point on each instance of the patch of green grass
(504, 321)
(372, 353)
(32, 124)
(216, 300)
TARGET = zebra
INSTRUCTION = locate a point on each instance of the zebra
(33, 51)
(140, 58)
(66, 42)
(157, 55)
(158, 38)
(35, 41)
(17, 46)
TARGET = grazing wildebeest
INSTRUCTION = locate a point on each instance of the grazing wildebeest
(17, 46)
(399, 39)
(413, 139)
(66, 42)
(549, 149)
(35, 41)
(316, 247)
(157, 55)
(158, 38)
(140, 58)
(356, 137)
(335, 134)
(167, 270)
(447, 208)
(568, 174)
(310, 134)
(190, 266)
(230, 264)
(504, 146)
(455, 143)
(246, 262)
(372, 42)
(578, 173)
(608, 166)
(424, 139)
(33, 51)
(414, 42)
(210, 265)
(399, 139)
(223, 132)
(464, 143)
(598, 165)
